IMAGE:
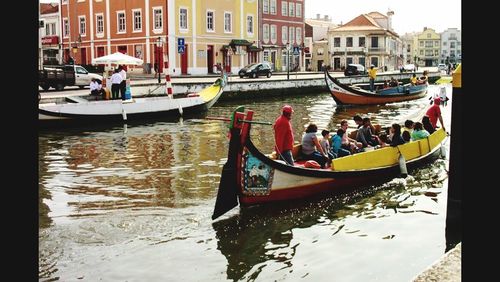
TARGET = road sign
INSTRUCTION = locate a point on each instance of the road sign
(181, 49)
(180, 41)
(296, 50)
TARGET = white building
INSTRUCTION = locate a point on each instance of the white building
(316, 34)
(49, 34)
(451, 46)
(368, 39)
(408, 41)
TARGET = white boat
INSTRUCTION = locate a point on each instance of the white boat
(78, 109)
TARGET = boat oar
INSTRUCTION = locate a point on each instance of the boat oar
(240, 120)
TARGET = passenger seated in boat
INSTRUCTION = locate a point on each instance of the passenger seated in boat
(394, 82)
(397, 139)
(358, 120)
(325, 143)
(386, 84)
(365, 134)
(419, 132)
(337, 151)
(311, 149)
(424, 78)
(407, 130)
(426, 122)
(348, 143)
(96, 88)
(413, 79)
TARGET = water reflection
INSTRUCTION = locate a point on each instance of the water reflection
(261, 236)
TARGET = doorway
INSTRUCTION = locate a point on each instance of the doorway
(184, 60)
(210, 58)
(83, 52)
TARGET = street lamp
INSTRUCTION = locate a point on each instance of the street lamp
(288, 61)
(158, 48)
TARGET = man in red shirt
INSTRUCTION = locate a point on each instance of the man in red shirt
(283, 135)
(434, 113)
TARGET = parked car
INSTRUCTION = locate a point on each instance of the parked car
(409, 67)
(59, 76)
(354, 69)
(442, 67)
(256, 70)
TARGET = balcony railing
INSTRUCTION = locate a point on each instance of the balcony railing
(376, 49)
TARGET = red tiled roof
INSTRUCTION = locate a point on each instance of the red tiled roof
(362, 20)
(376, 15)
(48, 8)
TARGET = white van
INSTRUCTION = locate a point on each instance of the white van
(442, 67)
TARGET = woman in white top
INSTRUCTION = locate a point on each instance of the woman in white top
(116, 80)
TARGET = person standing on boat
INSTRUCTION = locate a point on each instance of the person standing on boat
(434, 113)
(123, 84)
(283, 135)
(372, 73)
(116, 80)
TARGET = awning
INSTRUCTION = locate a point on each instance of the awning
(253, 48)
(242, 42)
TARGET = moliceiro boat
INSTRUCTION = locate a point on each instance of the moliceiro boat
(352, 94)
(80, 109)
(251, 177)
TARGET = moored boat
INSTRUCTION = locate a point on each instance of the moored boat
(82, 110)
(251, 177)
(351, 94)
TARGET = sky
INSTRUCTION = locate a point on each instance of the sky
(409, 16)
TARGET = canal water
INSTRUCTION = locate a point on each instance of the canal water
(134, 203)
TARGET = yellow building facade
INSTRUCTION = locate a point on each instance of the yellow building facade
(213, 32)
(426, 48)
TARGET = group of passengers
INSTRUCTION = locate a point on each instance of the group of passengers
(340, 144)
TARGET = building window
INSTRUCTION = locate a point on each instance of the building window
(210, 21)
(83, 29)
(183, 18)
(291, 34)
(348, 60)
(421, 43)
(291, 9)
(273, 33)
(444, 43)
(265, 6)
(284, 8)
(272, 9)
(250, 24)
(452, 45)
(374, 61)
(121, 22)
(336, 42)
(99, 24)
(66, 27)
(265, 35)
(436, 52)
(421, 52)
(298, 10)
(298, 35)
(284, 34)
(362, 42)
(375, 42)
(266, 56)
(50, 29)
(158, 18)
(436, 43)
(137, 20)
(348, 42)
(227, 22)
(361, 61)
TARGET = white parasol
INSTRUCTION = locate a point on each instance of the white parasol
(119, 59)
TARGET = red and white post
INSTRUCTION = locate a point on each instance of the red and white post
(168, 84)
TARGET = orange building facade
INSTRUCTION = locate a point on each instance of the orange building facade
(94, 28)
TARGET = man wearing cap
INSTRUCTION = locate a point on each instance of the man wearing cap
(434, 113)
(283, 135)
(372, 73)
